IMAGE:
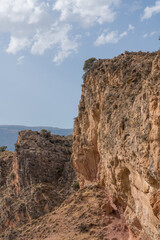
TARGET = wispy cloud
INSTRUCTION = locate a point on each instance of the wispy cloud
(145, 35)
(112, 37)
(20, 60)
(135, 5)
(151, 34)
(150, 11)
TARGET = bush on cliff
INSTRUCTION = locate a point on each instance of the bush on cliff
(88, 63)
(3, 148)
(45, 133)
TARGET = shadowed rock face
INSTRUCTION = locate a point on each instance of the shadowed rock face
(34, 179)
(116, 138)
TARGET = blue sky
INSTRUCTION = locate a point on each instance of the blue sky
(43, 45)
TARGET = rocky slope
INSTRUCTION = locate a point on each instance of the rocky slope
(34, 180)
(116, 138)
(85, 215)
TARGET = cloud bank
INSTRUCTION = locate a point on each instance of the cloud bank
(87, 12)
(38, 25)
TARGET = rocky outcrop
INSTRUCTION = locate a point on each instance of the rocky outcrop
(116, 138)
(34, 179)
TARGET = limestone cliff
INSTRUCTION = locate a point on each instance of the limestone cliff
(34, 179)
(116, 138)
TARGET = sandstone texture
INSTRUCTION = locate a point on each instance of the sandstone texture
(116, 138)
(34, 180)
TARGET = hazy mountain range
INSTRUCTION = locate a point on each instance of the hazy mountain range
(9, 133)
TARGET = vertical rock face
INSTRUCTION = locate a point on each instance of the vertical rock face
(34, 179)
(116, 138)
(40, 158)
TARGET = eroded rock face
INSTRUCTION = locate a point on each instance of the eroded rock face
(34, 179)
(116, 139)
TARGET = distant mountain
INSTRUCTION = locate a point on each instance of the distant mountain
(9, 133)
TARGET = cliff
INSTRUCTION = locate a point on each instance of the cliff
(116, 137)
(34, 180)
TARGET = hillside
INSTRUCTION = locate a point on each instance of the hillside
(9, 133)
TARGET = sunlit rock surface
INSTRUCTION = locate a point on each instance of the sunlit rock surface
(116, 138)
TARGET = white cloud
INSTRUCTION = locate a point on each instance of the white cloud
(151, 34)
(39, 25)
(17, 44)
(15, 11)
(145, 35)
(112, 37)
(131, 27)
(149, 11)
(45, 40)
(88, 12)
(20, 60)
(66, 48)
(123, 34)
(32, 25)
(57, 37)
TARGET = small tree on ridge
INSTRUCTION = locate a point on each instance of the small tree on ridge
(88, 63)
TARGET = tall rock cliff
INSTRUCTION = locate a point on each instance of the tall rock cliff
(116, 138)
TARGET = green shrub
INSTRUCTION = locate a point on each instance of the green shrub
(88, 63)
(45, 133)
(76, 186)
(3, 148)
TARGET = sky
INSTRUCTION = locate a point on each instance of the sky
(43, 46)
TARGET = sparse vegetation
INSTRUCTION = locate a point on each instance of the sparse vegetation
(88, 63)
(76, 186)
(45, 133)
(3, 148)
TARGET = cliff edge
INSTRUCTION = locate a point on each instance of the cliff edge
(116, 137)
